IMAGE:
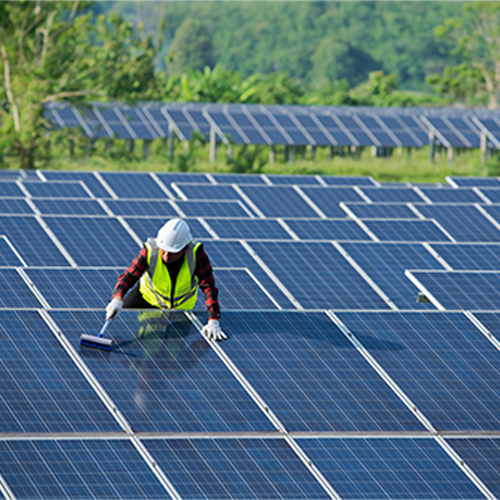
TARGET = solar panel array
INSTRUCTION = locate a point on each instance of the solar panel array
(362, 353)
(285, 124)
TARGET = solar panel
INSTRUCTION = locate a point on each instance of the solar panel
(234, 254)
(385, 264)
(381, 210)
(483, 457)
(52, 206)
(206, 192)
(214, 208)
(284, 355)
(145, 208)
(88, 178)
(388, 468)
(461, 195)
(77, 468)
(235, 468)
(168, 177)
(406, 230)
(328, 199)
(133, 185)
(148, 227)
(56, 189)
(163, 376)
(110, 118)
(337, 230)
(391, 195)
(474, 181)
(93, 241)
(464, 256)
(462, 222)
(318, 276)
(279, 201)
(15, 206)
(75, 288)
(466, 290)
(238, 178)
(10, 190)
(492, 194)
(337, 180)
(298, 180)
(14, 292)
(31, 241)
(42, 389)
(8, 254)
(439, 360)
(249, 229)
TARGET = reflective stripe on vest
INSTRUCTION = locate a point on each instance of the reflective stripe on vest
(156, 284)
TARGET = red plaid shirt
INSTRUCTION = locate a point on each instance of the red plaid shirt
(202, 271)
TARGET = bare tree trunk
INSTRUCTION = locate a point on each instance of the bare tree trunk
(8, 88)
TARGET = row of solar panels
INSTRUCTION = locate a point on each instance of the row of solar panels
(282, 125)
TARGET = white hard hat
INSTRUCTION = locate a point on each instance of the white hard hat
(173, 236)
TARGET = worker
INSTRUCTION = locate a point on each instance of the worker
(169, 268)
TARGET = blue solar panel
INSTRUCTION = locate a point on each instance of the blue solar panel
(494, 211)
(18, 206)
(8, 256)
(462, 222)
(475, 181)
(75, 288)
(42, 390)
(31, 241)
(93, 241)
(238, 290)
(162, 374)
(279, 201)
(385, 264)
(391, 194)
(139, 123)
(387, 468)
(464, 290)
(149, 208)
(338, 230)
(483, 457)
(238, 178)
(233, 254)
(491, 321)
(248, 229)
(14, 292)
(381, 211)
(440, 360)
(382, 138)
(470, 256)
(56, 189)
(208, 192)
(328, 199)
(235, 468)
(68, 207)
(148, 227)
(10, 189)
(109, 116)
(318, 276)
(310, 375)
(355, 130)
(337, 180)
(447, 131)
(492, 194)
(299, 180)
(168, 177)
(463, 195)
(133, 185)
(88, 178)
(406, 230)
(112, 469)
(213, 208)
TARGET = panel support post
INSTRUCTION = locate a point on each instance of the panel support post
(171, 139)
(145, 149)
(432, 146)
(408, 156)
(331, 152)
(484, 142)
(291, 154)
(71, 148)
(213, 145)
(272, 153)
(131, 146)
(450, 155)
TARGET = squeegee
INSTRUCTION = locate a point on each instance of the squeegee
(97, 341)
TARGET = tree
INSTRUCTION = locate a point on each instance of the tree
(476, 36)
(57, 51)
(191, 48)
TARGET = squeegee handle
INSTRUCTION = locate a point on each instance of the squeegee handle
(103, 329)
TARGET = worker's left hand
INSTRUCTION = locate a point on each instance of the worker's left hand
(212, 330)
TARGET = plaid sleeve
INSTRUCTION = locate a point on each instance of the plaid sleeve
(129, 278)
(206, 282)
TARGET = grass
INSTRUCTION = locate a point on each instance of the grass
(397, 168)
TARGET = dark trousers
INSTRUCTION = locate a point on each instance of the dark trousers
(135, 300)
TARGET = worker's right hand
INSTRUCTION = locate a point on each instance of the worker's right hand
(113, 308)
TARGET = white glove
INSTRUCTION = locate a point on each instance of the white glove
(113, 308)
(213, 331)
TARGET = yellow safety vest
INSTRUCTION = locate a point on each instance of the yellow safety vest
(156, 284)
